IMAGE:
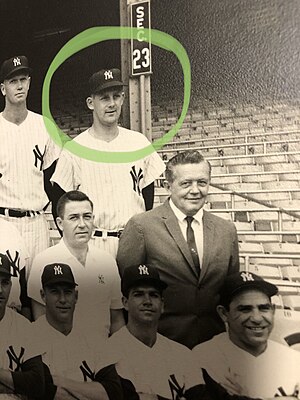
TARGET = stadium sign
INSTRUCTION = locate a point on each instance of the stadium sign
(140, 49)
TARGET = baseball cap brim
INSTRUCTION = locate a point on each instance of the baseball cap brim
(4, 271)
(17, 71)
(54, 282)
(159, 284)
(107, 85)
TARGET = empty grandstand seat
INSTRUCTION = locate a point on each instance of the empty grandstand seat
(243, 226)
(250, 247)
(277, 301)
(224, 180)
(245, 168)
(244, 187)
(280, 185)
(282, 248)
(287, 203)
(259, 178)
(292, 302)
(272, 261)
(284, 166)
(266, 271)
(291, 273)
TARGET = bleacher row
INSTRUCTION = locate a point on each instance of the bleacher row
(254, 151)
(255, 158)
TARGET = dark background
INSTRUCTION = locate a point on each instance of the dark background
(240, 50)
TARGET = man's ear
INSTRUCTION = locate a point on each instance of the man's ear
(90, 103)
(59, 223)
(221, 310)
(125, 302)
(167, 185)
(42, 293)
(2, 87)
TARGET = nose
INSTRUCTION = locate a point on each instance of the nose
(81, 221)
(194, 187)
(147, 299)
(256, 315)
(62, 297)
(112, 101)
(19, 84)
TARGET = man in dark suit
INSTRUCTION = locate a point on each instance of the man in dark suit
(193, 256)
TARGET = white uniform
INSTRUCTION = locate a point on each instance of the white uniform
(114, 188)
(12, 245)
(153, 370)
(99, 288)
(72, 355)
(15, 342)
(274, 372)
(26, 150)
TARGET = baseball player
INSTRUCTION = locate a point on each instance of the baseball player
(12, 245)
(118, 190)
(243, 360)
(99, 308)
(27, 158)
(79, 370)
(21, 371)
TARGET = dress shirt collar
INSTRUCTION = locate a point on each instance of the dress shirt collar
(181, 216)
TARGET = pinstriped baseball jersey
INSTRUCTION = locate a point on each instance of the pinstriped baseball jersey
(273, 373)
(26, 150)
(115, 189)
(13, 246)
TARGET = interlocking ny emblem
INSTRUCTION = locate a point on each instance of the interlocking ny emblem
(108, 75)
(247, 276)
(176, 390)
(38, 157)
(16, 61)
(87, 372)
(136, 179)
(58, 270)
(14, 263)
(14, 359)
(143, 270)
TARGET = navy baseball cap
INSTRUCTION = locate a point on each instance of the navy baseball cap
(14, 65)
(137, 274)
(243, 280)
(5, 265)
(105, 78)
(57, 273)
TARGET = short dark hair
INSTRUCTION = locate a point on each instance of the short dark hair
(185, 157)
(72, 195)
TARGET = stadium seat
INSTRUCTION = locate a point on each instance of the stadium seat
(292, 302)
(266, 271)
(245, 247)
(291, 273)
(282, 248)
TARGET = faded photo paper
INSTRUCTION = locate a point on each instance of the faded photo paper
(240, 78)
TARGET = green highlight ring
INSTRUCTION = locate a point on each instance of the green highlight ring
(99, 34)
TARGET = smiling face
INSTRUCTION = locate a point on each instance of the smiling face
(77, 222)
(250, 320)
(15, 88)
(106, 106)
(189, 188)
(144, 305)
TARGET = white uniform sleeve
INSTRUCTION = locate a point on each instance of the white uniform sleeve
(67, 171)
(115, 281)
(34, 280)
(53, 147)
(154, 167)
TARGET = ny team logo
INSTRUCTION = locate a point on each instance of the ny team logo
(16, 61)
(14, 262)
(87, 372)
(38, 157)
(57, 270)
(108, 75)
(136, 179)
(143, 270)
(15, 361)
(247, 276)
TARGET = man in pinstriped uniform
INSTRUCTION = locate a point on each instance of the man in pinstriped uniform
(118, 190)
(27, 158)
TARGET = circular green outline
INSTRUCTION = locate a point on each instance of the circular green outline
(99, 34)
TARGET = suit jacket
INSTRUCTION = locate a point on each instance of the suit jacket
(154, 237)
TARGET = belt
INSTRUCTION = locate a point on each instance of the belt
(8, 212)
(105, 234)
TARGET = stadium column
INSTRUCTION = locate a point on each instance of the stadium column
(136, 67)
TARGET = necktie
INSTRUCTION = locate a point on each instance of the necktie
(192, 243)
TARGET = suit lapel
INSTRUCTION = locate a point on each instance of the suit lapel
(173, 227)
(208, 240)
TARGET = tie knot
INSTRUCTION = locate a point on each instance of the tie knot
(189, 220)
